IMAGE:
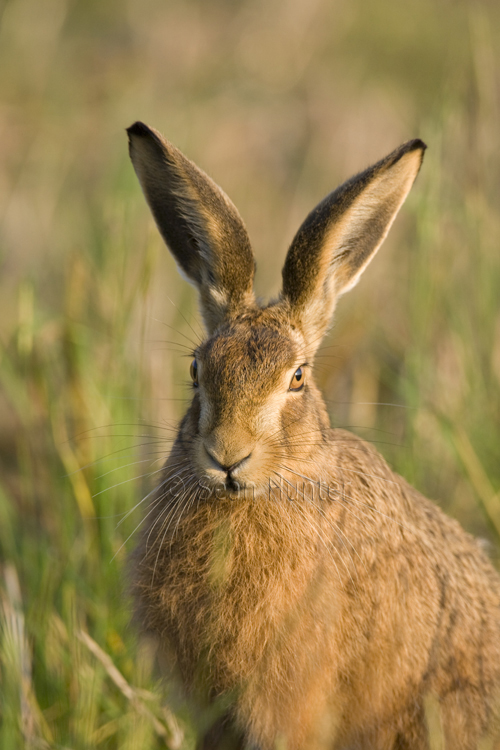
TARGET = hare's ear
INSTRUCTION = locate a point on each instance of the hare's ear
(198, 222)
(342, 234)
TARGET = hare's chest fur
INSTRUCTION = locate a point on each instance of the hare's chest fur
(232, 585)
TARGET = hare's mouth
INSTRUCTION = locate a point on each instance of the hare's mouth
(235, 489)
(229, 488)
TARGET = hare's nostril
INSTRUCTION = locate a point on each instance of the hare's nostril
(238, 463)
(216, 464)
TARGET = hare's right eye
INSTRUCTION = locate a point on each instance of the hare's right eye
(194, 372)
(298, 380)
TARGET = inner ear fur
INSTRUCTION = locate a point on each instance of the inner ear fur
(199, 223)
(342, 234)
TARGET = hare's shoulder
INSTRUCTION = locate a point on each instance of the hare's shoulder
(367, 475)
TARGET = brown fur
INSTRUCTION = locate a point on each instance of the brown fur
(290, 575)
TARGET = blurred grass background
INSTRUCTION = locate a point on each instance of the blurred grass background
(280, 101)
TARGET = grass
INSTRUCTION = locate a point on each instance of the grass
(89, 386)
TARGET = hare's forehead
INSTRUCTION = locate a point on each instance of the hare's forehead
(243, 352)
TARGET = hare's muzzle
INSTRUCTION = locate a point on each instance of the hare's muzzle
(226, 451)
(226, 468)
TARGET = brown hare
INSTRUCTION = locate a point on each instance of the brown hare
(299, 587)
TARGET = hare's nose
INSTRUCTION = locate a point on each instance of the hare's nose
(224, 467)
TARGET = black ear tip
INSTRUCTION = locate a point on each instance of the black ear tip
(138, 129)
(417, 144)
(406, 148)
(414, 145)
(150, 138)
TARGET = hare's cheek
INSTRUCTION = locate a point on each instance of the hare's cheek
(267, 421)
(295, 419)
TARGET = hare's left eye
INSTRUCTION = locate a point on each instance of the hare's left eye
(298, 380)
(194, 372)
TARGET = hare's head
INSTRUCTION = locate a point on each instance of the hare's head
(256, 413)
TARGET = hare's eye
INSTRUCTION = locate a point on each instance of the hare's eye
(194, 372)
(298, 380)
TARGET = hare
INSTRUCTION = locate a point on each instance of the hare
(298, 586)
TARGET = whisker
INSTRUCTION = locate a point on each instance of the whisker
(126, 481)
(335, 527)
(354, 501)
(195, 344)
(366, 403)
(152, 508)
(152, 492)
(325, 541)
(126, 466)
(114, 455)
(371, 476)
(174, 343)
(178, 505)
(196, 333)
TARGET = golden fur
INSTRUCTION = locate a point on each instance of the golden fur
(295, 581)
